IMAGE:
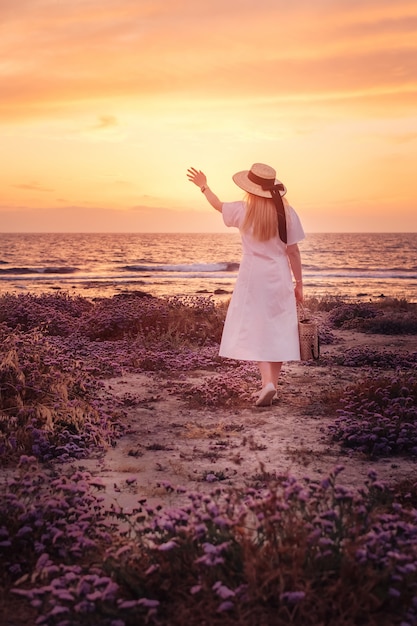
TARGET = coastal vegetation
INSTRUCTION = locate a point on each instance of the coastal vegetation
(294, 551)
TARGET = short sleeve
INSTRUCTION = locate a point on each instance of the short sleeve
(295, 231)
(233, 213)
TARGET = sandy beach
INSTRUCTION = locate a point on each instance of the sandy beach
(202, 448)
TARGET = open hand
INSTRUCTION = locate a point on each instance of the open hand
(197, 177)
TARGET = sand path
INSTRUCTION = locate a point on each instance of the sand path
(202, 448)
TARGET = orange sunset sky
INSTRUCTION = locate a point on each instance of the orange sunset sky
(104, 104)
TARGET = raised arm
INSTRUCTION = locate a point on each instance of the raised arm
(198, 178)
(294, 257)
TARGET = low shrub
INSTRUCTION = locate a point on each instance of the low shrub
(297, 552)
(54, 314)
(379, 416)
(326, 336)
(323, 303)
(49, 404)
(53, 530)
(233, 388)
(395, 304)
(351, 315)
(303, 552)
(45, 513)
(173, 321)
(394, 317)
(392, 324)
(371, 358)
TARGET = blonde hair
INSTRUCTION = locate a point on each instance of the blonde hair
(261, 217)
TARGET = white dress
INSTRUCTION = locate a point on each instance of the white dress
(261, 321)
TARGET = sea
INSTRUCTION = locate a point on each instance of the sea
(353, 266)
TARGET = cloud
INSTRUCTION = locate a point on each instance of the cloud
(123, 183)
(63, 56)
(404, 137)
(105, 121)
(99, 97)
(95, 219)
(32, 186)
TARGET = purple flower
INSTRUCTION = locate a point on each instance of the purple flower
(222, 591)
(292, 597)
(121, 551)
(149, 604)
(210, 560)
(95, 595)
(168, 545)
(22, 532)
(127, 604)
(58, 610)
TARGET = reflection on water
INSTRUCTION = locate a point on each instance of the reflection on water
(343, 264)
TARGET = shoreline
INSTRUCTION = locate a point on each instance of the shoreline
(219, 289)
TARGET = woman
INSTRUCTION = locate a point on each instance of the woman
(261, 322)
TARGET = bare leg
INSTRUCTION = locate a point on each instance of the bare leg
(270, 372)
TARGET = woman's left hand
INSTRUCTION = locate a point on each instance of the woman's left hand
(197, 177)
(298, 290)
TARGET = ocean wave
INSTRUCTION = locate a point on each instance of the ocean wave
(18, 271)
(349, 269)
(361, 273)
(186, 268)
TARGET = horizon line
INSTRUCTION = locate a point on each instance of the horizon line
(220, 232)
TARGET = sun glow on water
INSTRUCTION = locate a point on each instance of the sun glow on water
(192, 264)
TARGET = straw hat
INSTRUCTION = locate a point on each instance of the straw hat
(259, 180)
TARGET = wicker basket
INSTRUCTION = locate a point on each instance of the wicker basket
(309, 337)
